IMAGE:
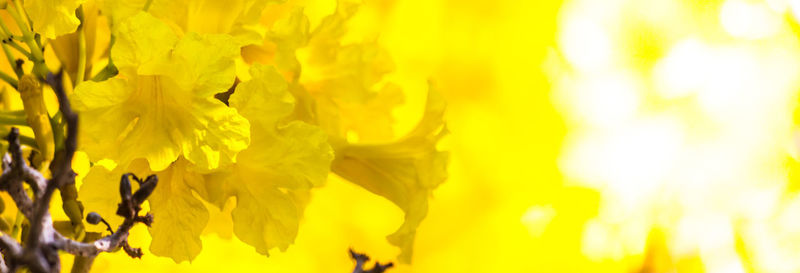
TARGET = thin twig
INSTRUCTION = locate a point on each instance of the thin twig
(39, 253)
(362, 259)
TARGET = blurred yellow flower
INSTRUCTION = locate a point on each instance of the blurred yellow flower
(285, 159)
(239, 18)
(404, 171)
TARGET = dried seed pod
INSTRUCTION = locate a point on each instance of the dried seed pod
(145, 189)
(125, 187)
(125, 207)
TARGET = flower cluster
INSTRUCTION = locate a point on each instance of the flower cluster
(216, 99)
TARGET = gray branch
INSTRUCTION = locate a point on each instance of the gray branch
(39, 253)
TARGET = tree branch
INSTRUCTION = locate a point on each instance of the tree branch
(39, 253)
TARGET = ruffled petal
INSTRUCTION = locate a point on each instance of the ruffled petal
(201, 63)
(265, 97)
(52, 18)
(141, 40)
(218, 135)
(179, 217)
(272, 176)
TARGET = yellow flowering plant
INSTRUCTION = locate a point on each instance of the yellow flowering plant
(236, 106)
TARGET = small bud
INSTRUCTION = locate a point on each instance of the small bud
(93, 218)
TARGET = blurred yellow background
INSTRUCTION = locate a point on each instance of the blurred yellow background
(587, 136)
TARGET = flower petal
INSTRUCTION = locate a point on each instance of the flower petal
(263, 98)
(97, 194)
(218, 135)
(202, 63)
(104, 119)
(272, 176)
(52, 18)
(141, 40)
(179, 216)
(405, 171)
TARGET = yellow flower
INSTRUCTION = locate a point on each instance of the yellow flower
(52, 18)
(270, 180)
(283, 38)
(284, 161)
(404, 171)
(161, 105)
(239, 18)
(346, 81)
(344, 92)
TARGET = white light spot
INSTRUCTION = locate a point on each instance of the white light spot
(684, 69)
(606, 100)
(537, 218)
(749, 20)
(585, 44)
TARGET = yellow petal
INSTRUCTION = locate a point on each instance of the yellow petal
(154, 135)
(103, 117)
(218, 135)
(98, 193)
(271, 178)
(296, 156)
(282, 41)
(52, 18)
(405, 171)
(265, 97)
(238, 18)
(346, 81)
(100, 94)
(179, 217)
(141, 40)
(201, 63)
(264, 216)
(66, 46)
(120, 10)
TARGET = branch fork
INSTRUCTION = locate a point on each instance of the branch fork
(39, 250)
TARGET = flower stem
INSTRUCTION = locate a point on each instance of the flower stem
(19, 48)
(110, 70)
(147, 5)
(8, 79)
(28, 37)
(26, 140)
(81, 49)
(9, 56)
(11, 120)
